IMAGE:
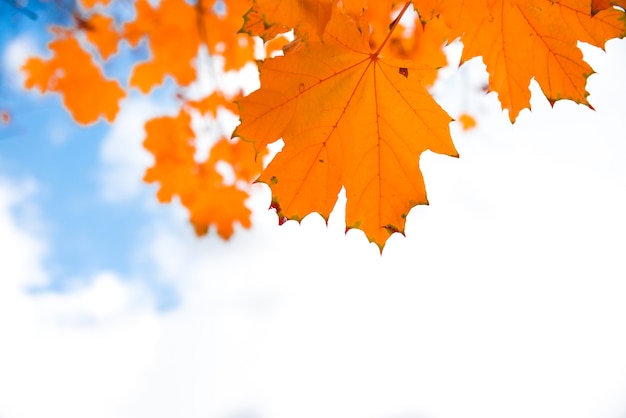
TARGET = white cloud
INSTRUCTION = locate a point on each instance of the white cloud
(51, 363)
(104, 298)
(18, 250)
(122, 154)
(504, 300)
(15, 55)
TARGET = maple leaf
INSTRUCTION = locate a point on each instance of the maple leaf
(348, 98)
(200, 186)
(221, 32)
(274, 45)
(238, 52)
(175, 31)
(255, 25)
(240, 156)
(423, 45)
(92, 3)
(217, 202)
(211, 103)
(72, 73)
(599, 5)
(524, 39)
(165, 28)
(100, 32)
(171, 141)
(348, 117)
(467, 121)
(305, 15)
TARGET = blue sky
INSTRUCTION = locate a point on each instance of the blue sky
(504, 299)
(44, 144)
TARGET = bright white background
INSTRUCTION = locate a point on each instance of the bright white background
(507, 298)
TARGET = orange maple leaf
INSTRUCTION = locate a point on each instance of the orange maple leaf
(175, 31)
(238, 51)
(221, 32)
(92, 3)
(215, 203)
(171, 141)
(599, 5)
(72, 73)
(240, 156)
(424, 45)
(348, 117)
(218, 201)
(524, 39)
(303, 15)
(101, 33)
(467, 121)
(209, 198)
(274, 45)
(254, 24)
(210, 104)
(174, 42)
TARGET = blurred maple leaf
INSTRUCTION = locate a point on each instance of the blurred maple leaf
(165, 27)
(101, 33)
(467, 121)
(202, 189)
(305, 15)
(72, 73)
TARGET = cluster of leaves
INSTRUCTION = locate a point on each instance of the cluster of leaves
(348, 96)
(174, 30)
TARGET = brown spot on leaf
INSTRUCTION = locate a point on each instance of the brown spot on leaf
(276, 206)
(391, 228)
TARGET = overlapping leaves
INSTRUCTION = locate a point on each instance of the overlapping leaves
(524, 39)
(349, 97)
(174, 32)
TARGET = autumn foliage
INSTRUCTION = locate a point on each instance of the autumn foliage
(344, 84)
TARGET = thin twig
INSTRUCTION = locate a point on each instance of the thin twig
(24, 10)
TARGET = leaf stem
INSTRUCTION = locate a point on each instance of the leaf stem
(392, 28)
